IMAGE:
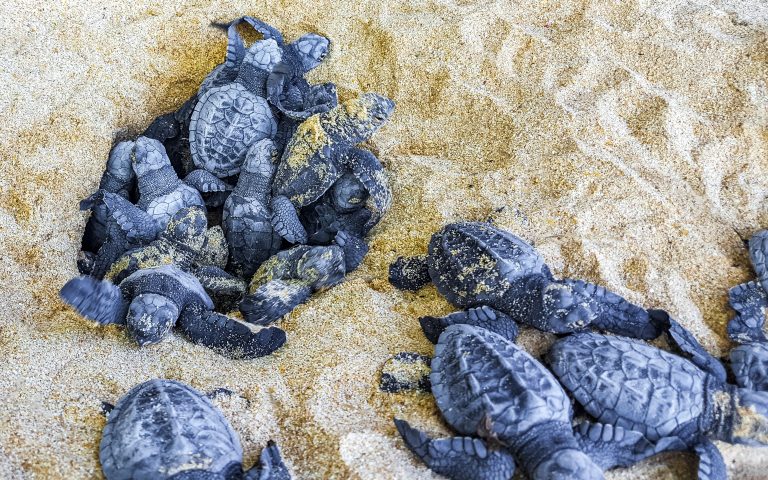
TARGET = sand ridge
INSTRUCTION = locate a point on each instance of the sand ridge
(628, 141)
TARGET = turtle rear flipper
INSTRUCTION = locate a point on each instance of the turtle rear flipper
(711, 463)
(270, 466)
(354, 248)
(687, 345)
(97, 300)
(458, 458)
(409, 273)
(229, 336)
(484, 316)
(613, 446)
(748, 299)
(285, 220)
(273, 300)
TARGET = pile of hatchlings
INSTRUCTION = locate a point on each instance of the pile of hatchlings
(225, 215)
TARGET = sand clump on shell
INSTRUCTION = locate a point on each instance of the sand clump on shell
(626, 141)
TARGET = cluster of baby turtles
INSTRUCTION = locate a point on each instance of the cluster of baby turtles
(509, 409)
(252, 196)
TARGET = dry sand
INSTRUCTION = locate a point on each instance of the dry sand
(627, 140)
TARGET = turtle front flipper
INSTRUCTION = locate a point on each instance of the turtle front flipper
(270, 466)
(711, 463)
(748, 299)
(611, 312)
(271, 301)
(228, 336)
(97, 300)
(613, 446)
(687, 345)
(354, 249)
(749, 363)
(367, 168)
(458, 458)
(285, 220)
(483, 316)
(758, 254)
(409, 273)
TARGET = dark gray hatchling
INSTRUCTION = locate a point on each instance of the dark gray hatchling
(475, 263)
(247, 219)
(486, 385)
(628, 383)
(186, 243)
(150, 301)
(320, 152)
(119, 179)
(750, 299)
(161, 192)
(289, 278)
(126, 227)
(163, 430)
(230, 116)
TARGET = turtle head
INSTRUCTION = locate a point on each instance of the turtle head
(150, 317)
(187, 226)
(359, 118)
(564, 308)
(261, 158)
(311, 50)
(750, 421)
(149, 156)
(568, 463)
(322, 267)
(348, 193)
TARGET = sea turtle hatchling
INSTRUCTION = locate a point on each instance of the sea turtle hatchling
(289, 278)
(486, 385)
(247, 218)
(185, 243)
(320, 152)
(474, 264)
(751, 299)
(161, 192)
(163, 429)
(628, 383)
(150, 301)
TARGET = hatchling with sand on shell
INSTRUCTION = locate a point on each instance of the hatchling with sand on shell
(166, 430)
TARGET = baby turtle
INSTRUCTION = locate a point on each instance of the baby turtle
(126, 227)
(162, 429)
(474, 264)
(119, 179)
(320, 152)
(161, 193)
(627, 383)
(150, 301)
(289, 279)
(247, 218)
(750, 299)
(486, 385)
(185, 243)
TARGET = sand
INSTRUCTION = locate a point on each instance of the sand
(627, 140)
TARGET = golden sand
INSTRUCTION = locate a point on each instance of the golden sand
(627, 140)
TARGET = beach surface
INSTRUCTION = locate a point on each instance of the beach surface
(627, 140)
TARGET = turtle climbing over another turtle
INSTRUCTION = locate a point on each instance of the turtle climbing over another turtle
(118, 178)
(161, 192)
(474, 264)
(320, 152)
(126, 226)
(751, 299)
(683, 407)
(185, 243)
(247, 218)
(289, 278)
(486, 385)
(150, 301)
(163, 429)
